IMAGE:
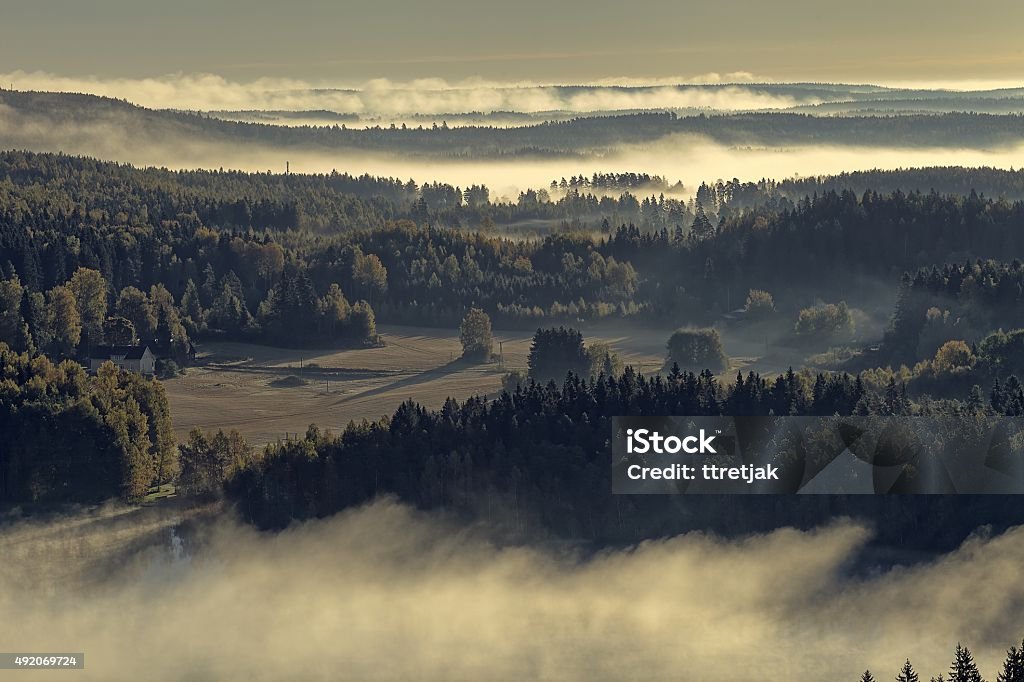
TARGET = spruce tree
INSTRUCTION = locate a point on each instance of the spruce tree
(1013, 666)
(963, 668)
(907, 673)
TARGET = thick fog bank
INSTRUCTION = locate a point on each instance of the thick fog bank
(384, 592)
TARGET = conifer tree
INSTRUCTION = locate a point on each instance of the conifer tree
(907, 673)
(1013, 666)
(963, 668)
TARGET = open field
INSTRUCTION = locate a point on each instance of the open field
(264, 393)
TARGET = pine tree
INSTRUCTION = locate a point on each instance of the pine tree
(1013, 666)
(701, 228)
(963, 668)
(867, 677)
(907, 673)
(164, 336)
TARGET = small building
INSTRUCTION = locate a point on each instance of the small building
(138, 359)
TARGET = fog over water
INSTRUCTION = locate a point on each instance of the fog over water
(385, 592)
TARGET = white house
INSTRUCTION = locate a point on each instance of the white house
(138, 359)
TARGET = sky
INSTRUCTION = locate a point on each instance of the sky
(881, 41)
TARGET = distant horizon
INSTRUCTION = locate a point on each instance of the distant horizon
(966, 83)
(734, 91)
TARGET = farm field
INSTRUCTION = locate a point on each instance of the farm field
(264, 393)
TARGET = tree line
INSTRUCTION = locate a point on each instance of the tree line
(546, 139)
(69, 437)
(145, 227)
(80, 189)
(538, 455)
(964, 301)
(963, 668)
(535, 455)
(71, 319)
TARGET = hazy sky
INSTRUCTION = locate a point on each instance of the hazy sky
(554, 41)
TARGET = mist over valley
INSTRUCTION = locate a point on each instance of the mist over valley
(318, 325)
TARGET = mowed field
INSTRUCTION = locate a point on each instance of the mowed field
(266, 393)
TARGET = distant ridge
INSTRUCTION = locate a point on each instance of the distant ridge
(93, 125)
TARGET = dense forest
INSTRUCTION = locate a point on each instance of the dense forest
(71, 437)
(192, 234)
(71, 319)
(95, 253)
(538, 458)
(541, 447)
(334, 202)
(465, 341)
(959, 301)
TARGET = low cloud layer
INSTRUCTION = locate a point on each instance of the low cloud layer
(381, 97)
(384, 592)
(687, 158)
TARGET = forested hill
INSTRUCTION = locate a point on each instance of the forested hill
(957, 180)
(339, 201)
(539, 459)
(140, 228)
(42, 120)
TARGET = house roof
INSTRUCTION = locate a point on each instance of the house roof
(129, 352)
